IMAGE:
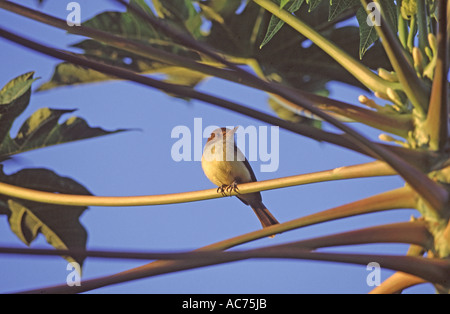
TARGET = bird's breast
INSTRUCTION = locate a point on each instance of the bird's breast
(221, 170)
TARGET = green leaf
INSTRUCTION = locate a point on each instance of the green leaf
(339, 6)
(59, 224)
(14, 89)
(313, 4)
(275, 23)
(182, 13)
(42, 129)
(14, 98)
(127, 25)
(368, 34)
(143, 5)
(72, 74)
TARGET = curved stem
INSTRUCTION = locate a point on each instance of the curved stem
(412, 33)
(404, 232)
(131, 46)
(342, 173)
(184, 91)
(422, 25)
(359, 71)
(402, 27)
(414, 88)
(396, 199)
(434, 194)
(399, 125)
(436, 124)
(432, 270)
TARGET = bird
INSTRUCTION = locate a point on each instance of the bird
(226, 166)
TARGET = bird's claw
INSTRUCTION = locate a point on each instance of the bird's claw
(221, 189)
(232, 188)
(224, 189)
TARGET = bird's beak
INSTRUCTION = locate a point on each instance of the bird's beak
(231, 132)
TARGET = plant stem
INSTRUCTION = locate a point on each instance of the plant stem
(396, 124)
(402, 27)
(396, 199)
(359, 71)
(184, 91)
(436, 196)
(129, 45)
(432, 270)
(343, 173)
(405, 232)
(422, 23)
(413, 87)
(436, 124)
(412, 33)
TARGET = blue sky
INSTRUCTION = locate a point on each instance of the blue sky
(140, 163)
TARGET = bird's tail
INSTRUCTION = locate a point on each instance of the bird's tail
(264, 215)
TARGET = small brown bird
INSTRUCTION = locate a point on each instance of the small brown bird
(226, 166)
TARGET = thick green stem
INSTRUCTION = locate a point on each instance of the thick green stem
(357, 69)
(422, 23)
(402, 27)
(413, 87)
(436, 124)
(412, 33)
(399, 125)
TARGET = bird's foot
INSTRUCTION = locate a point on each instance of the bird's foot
(226, 190)
(222, 189)
(232, 188)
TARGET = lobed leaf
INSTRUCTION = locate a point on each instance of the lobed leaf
(181, 12)
(127, 25)
(368, 34)
(42, 129)
(14, 98)
(339, 6)
(59, 224)
(313, 4)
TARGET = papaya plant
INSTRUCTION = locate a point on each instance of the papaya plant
(396, 53)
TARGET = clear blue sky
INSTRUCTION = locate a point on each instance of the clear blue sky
(140, 163)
